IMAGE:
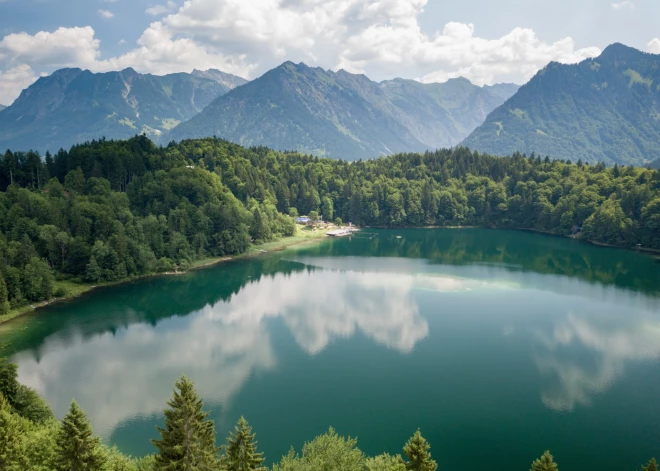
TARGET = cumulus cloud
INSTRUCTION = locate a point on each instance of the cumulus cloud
(158, 10)
(107, 14)
(63, 47)
(14, 80)
(381, 38)
(654, 46)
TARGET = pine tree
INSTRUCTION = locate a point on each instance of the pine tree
(188, 440)
(545, 463)
(651, 466)
(419, 456)
(241, 449)
(77, 449)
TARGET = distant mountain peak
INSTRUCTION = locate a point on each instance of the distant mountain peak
(341, 114)
(130, 70)
(604, 109)
(72, 106)
(228, 80)
(618, 51)
(459, 80)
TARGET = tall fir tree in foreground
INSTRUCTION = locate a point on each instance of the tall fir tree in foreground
(188, 440)
(419, 456)
(651, 465)
(76, 447)
(545, 463)
(241, 449)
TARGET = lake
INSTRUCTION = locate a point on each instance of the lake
(497, 344)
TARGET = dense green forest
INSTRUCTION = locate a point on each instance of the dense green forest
(32, 439)
(108, 210)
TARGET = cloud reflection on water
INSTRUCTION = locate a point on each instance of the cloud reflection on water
(586, 354)
(130, 373)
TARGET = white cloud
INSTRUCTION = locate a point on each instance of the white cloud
(63, 47)
(13, 81)
(623, 4)
(654, 46)
(107, 14)
(158, 10)
(381, 38)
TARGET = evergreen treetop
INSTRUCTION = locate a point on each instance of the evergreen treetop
(545, 463)
(188, 440)
(241, 449)
(77, 449)
(652, 465)
(419, 456)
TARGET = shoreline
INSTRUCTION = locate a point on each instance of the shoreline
(303, 236)
(75, 290)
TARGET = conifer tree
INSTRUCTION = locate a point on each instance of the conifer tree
(545, 463)
(241, 449)
(188, 440)
(76, 447)
(419, 456)
(651, 466)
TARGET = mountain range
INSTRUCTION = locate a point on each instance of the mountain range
(2, 107)
(339, 114)
(72, 106)
(605, 109)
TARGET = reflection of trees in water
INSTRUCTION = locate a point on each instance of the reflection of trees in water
(586, 355)
(118, 375)
(145, 301)
(512, 250)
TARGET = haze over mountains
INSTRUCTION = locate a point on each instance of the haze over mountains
(72, 106)
(345, 115)
(605, 109)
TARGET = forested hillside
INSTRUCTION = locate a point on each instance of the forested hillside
(108, 210)
(605, 109)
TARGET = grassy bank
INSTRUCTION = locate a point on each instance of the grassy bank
(73, 289)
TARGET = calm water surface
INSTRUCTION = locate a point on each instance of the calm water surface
(497, 344)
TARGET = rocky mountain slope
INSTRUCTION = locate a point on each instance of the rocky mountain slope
(604, 109)
(73, 105)
(344, 115)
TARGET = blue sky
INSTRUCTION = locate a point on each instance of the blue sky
(429, 40)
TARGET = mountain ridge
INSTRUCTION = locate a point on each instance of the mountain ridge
(73, 105)
(340, 114)
(603, 109)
